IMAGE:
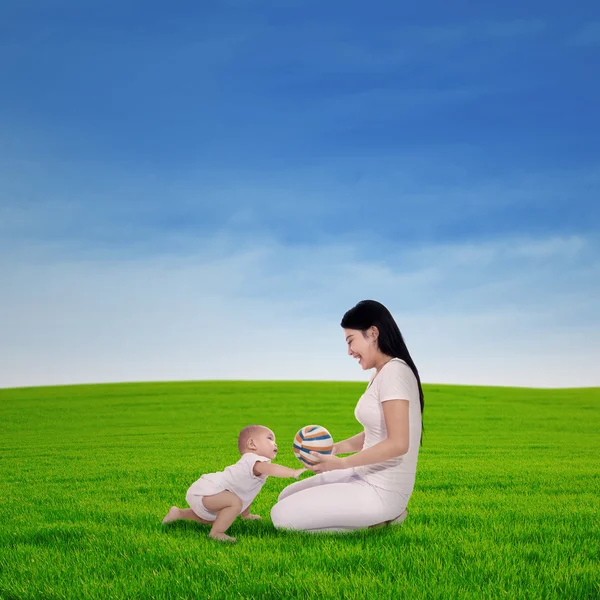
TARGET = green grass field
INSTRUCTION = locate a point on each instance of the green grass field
(506, 503)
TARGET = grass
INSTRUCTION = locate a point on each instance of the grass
(505, 505)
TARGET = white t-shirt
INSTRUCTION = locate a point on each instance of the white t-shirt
(238, 478)
(395, 381)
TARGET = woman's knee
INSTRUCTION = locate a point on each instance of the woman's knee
(281, 517)
(277, 514)
(291, 489)
(288, 491)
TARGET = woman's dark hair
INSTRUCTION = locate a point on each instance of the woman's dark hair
(369, 313)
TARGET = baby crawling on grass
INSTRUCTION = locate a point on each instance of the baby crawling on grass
(218, 498)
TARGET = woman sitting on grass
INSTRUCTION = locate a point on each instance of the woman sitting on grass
(373, 486)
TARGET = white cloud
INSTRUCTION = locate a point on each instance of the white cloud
(566, 247)
(480, 29)
(272, 312)
(588, 35)
(487, 252)
(96, 288)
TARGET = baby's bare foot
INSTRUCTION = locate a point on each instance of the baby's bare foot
(222, 537)
(172, 515)
(252, 517)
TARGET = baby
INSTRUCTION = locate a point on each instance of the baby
(218, 498)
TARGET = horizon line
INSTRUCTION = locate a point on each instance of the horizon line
(282, 381)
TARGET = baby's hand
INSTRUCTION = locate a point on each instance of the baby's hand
(299, 472)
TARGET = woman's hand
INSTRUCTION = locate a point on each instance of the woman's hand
(326, 462)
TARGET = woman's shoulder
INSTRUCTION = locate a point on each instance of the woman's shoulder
(396, 369)
(397, 365)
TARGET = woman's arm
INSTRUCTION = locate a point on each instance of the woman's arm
(353, 444)
(395, 413)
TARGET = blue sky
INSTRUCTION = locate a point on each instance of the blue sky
(200, 191)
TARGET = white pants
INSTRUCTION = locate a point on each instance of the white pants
(335, 501)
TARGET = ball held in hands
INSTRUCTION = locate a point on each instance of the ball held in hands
(312, 438)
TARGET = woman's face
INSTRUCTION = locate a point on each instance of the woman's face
(363, 349)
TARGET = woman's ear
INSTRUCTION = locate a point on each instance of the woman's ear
(374, 333)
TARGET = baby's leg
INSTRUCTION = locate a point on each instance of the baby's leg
(186, 514)
(229, 506)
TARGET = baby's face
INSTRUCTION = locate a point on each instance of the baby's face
(265, 443)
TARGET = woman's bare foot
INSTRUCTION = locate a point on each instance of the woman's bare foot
(222, 537)
(172, 515)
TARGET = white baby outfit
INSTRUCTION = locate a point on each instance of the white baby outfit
(238, 478)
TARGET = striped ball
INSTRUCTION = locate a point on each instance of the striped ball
(312, 438)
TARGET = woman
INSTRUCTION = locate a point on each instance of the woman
(373, 486)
